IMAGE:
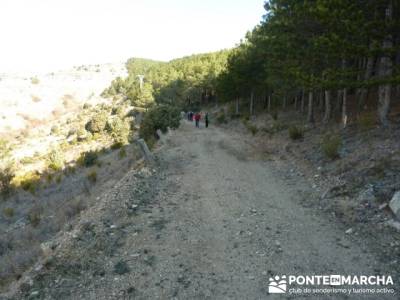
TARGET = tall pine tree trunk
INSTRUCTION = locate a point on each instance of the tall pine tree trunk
(367, 75)
(251, 103)
(269, 103)
(361, 63)
(327, 113)
(338, 104)
(344, 107)
(385, 70)
(295, 102)
(310, 114)
(302, 101)
(344, 98)
(397, 63)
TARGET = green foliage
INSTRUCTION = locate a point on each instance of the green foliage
(8, 212)
(119, 130)
(55, 130)
(4, 149)
(29, 181)
(274, 114)
(35, 216)
(159, 117)
(59, 179)
(56, 160)
(295, 132)
(88, 158)
(35, 80)
(184, 82)
(118, 110)
(250, 127)
(7, 173)
(221, 118)
(366, 121)
(97, 123)
(87, 106)
(122, 153)
(69, 170)
(302, 46)
(330, 145)
(278, 126)
(92, 176)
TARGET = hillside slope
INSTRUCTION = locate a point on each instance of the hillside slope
(210, 220)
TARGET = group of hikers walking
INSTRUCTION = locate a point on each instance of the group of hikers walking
(197, 117)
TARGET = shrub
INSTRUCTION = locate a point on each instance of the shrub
(250, 127)
(253, 129)
(119, 130)
(159, 117)
(69, 170)
(221, 118)
(366, 121)
(49, 178)
(28, 160)
(330, 145)
(35, 80)
(97, 123)
(92, 176)
(274, 115)
(122, 153)
(35, 99)
(117, 111)
(7, 173)
(278, 126)
(55, 130)
(28, 182)
(86, 106)
(88, 159)
(4, 148)
(296, 133)
(56, 160)
(8, 212)
(117, 145)
(73, 207)
(34, 216)
(59, 179)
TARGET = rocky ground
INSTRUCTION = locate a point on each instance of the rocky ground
(213, 218)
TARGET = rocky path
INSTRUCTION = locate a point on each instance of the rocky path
(209, 221)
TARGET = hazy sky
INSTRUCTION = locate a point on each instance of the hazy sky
(45, 35)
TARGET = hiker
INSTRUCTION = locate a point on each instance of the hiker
(197, 118)
(206, 119)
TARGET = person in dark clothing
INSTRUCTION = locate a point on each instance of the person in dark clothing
(206, 119)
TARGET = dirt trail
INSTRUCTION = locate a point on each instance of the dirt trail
(212, 222)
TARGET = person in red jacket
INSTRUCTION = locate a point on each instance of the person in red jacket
(197, 118)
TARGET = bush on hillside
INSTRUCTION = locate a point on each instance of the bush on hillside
(296, 133)
(56, 160)
(159, 117)
(366, 121)
(119, 130)
(7, 173)
(330, 145)
(221, 118)
(29, 181)
(88, 159)
(97, 123)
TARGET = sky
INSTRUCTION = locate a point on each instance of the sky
(49, 35)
